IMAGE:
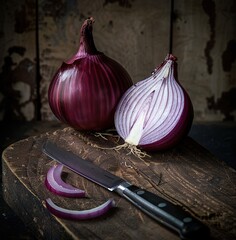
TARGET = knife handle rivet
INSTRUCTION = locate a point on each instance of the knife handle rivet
(187, 219)
(140, 192)
(161, 205)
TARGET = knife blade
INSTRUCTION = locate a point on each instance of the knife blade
(163, 211)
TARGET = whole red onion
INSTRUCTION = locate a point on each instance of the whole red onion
(86, 89)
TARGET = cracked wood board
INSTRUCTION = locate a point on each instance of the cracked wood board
(187, 175)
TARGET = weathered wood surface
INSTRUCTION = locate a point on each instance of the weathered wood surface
(135, 33)
(187, 175)
(204, 36)
(18, 83)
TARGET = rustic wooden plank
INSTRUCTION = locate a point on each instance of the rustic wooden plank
(131, 32)
(187, 175)
(204, 42)
(17, 60)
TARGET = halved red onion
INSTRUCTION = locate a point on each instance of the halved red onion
(79, 215)
(86, 89)
(55, 184)
(155, 113)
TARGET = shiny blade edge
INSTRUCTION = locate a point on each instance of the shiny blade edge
(83, 167)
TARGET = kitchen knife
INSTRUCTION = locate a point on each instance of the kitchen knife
(165, 212)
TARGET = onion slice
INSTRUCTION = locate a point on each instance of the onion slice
(79, 215)
(56, 185)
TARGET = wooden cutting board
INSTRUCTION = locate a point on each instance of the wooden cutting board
(187, 175)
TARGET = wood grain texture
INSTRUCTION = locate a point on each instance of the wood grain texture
(203, 33)
(187, 175)
(17, 60)
(135, 33)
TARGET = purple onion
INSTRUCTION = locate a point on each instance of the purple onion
(156, 113)
(86, 89)
(55, 184)
(79, 215)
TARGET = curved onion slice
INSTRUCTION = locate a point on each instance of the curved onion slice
(79, 215)
(55, 184)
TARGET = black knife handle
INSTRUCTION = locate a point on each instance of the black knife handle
(165, 212)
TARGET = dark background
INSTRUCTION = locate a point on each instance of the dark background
(37, 35)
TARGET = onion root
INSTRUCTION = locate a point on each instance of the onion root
(132, 149)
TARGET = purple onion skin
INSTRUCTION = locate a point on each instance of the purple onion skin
(157, 136)
(79, 215)
(62, 193)
(181, 129)
(60, 187)
(87, 100)
(86, 89)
